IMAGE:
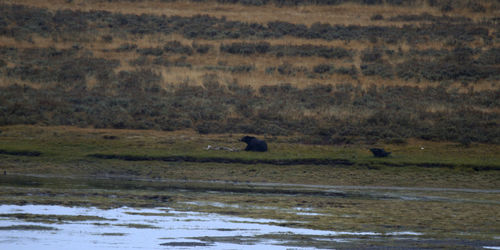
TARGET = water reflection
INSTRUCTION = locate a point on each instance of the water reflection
(133, 228)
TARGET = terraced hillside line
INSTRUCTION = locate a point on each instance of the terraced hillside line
(440, 165)
(81, 23)
(225, 160)
(284, 162)
(308, 12)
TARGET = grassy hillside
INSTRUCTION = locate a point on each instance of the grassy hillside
(329, 71)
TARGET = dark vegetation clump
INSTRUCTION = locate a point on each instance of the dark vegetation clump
(20, 152)
(446, 5)
(380, 69)
(377, 17)
(429, 18)
(288, 50)
(457, 64)
(242, 68)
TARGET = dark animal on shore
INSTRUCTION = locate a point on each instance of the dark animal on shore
(379, 152)
(254, 144)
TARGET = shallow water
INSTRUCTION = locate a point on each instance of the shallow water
(134, 228)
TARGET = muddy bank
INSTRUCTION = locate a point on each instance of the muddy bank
(418, 213)
(66, 187)
(308, 161)
(119, 191)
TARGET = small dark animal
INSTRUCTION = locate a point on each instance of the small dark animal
(254, 144)
(379, 152)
